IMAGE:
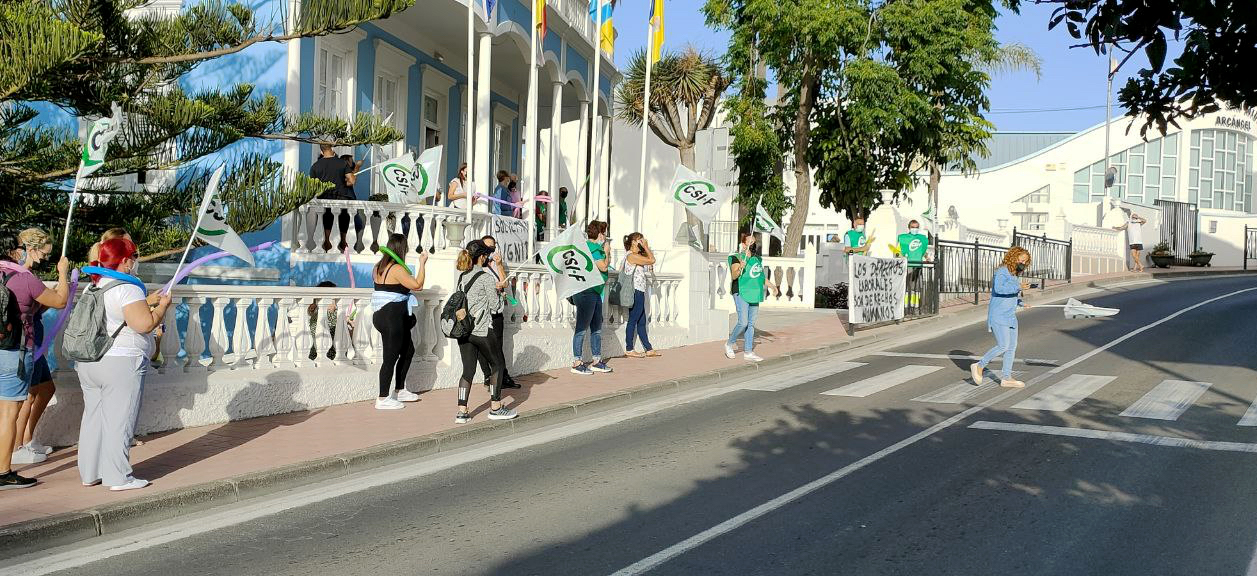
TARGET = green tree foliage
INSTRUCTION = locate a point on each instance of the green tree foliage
(82, 55)
(1219, 40)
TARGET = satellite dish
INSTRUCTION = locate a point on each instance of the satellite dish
(1110, 177)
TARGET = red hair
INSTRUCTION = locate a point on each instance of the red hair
(113, 253)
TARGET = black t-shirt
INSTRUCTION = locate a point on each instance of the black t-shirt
(333, 170)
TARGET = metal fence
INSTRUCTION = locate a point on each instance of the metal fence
(965, 268)
(1049, 259)
(921, 295)
(1179, 228)
(1250, 245)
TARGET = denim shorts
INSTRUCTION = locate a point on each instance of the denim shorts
(37, 371)
(12, 387)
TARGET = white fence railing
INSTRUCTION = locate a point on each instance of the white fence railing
(1093, 241)
(985, 237)
(575, 13)
(790, 282)
(312, 232)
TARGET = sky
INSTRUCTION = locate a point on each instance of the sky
(1069, 96)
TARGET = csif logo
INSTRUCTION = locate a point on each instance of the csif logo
(397, 175)
(569, 261)
(914, 245)
(695, 193)
(757, 270)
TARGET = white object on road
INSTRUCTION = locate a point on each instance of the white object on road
(1075, 309)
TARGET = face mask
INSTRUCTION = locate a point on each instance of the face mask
(859, 228)
(914, 230)
(1021, 267)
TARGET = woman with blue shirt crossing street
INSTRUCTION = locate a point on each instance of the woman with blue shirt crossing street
(1001, 317)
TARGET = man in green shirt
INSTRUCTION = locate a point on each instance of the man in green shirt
(855, 242)
(915, 246)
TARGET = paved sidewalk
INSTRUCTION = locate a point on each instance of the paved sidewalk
(178, 459)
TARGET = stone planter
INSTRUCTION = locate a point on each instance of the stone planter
(454, 232)
(1201, 259)
(1162, 260)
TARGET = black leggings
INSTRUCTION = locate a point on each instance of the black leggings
(496, 332)
(472, 349)
(394, 323)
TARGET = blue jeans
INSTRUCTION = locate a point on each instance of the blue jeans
(588, 319)
(637, 323)
(1006, 344)
(746, 323)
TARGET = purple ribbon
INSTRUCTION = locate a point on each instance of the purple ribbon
(62, 316)
(199, 261)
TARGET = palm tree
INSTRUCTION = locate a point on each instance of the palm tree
(685, 89)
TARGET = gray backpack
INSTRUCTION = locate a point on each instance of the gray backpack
(620, 287)
(85, 338)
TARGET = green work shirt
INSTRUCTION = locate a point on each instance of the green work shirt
(595, 250)
(856, 239)
(562, 213)
(751, 282)
(913, 247)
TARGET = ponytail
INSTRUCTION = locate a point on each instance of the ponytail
(464, 261)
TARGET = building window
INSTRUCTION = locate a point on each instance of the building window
(333, 79)
(1145, 173)
(502, 146)
(431, 122)
(1033, 221)
(1040, 196)
(1221, 170)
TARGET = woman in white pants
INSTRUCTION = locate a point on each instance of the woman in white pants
(111, 387)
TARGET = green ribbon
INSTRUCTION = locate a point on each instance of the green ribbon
(396, 259)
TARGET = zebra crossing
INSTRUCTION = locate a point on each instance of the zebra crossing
(1167, 401)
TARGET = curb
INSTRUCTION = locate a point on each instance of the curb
(43, 533)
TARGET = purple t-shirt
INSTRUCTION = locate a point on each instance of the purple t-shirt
(27, 287)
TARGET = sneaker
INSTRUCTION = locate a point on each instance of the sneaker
(582, 369)
(729, 353)
(511, 385)
(132, 484)
(975, 370)
(388, 404)
(13, 481)
(462, 418)
(752, 357)
(38, 448)
(406, 396)
(95, 482)
(1010, 383)
(601, 366)
(502, 413)
(24, 455)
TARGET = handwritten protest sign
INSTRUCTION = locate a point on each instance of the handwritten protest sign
(877, 289)
(512, 237)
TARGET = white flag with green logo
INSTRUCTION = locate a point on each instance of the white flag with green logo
(697, 194)
(398, 175)
(570, 262)
(428, 173)
(765, 223)
(96, 144)
(211, 224)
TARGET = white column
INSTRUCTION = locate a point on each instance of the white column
(582, 168)
(483, 176)
(556, 151)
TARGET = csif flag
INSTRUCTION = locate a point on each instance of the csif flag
(570, 262)
(211, 223)
(428, 173)
(697, 194)
(398, 176)
(99, 134)
(764, 223)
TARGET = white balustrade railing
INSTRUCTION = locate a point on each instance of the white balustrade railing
(985, 237)
(213, 328)
(575, 13)
(790, 282)
(1093, 241)
(315, 228)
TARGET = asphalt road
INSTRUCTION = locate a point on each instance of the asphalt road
(1124, 456)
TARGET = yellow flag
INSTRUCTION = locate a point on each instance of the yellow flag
(656, 27)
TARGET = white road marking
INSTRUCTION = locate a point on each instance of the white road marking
(802, 375)
(1171, 441)
(1168, 400)
(875, 384)
(1061, 396)
(655, 560)
(1035, 361)
(1250, 417)
(958, 393)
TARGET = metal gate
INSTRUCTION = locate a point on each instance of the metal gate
(1178, 228)
(966, 268)
(1049, 259)
(1250, 245)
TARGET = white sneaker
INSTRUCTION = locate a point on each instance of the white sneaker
(729, 353)
(132, 484)
(38, 448)
(25, 455)
(388, 404)
(406, 396)
(752, 357)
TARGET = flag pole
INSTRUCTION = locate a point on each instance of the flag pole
(593, 104)
(641, 187)
(469, 126)
(65, 236)
(532, 148)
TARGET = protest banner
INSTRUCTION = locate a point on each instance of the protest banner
(570, 262)
(877, 289)
(697, 194)
(512, 237)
